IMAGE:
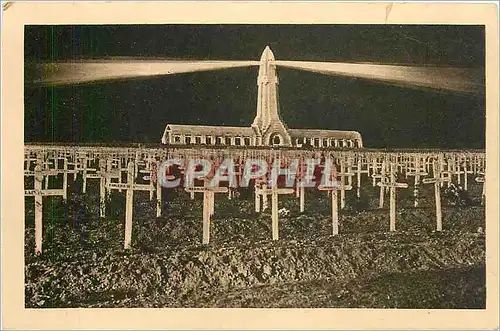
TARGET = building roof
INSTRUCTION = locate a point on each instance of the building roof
(243, 131)
(235, 131)
(320, 133)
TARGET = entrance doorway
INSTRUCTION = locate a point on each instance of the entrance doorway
(276, 140)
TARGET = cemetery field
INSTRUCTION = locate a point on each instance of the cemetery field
(84, 264)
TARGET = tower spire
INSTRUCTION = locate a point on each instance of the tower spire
(270, 129)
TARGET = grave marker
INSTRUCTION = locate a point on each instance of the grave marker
(392, 185)
(208, 204)
(274, 191)
(417, 171)
(130, 187)
(359, 171)
(335, 209)
(38, 192)
(437, 181)
(481, 179)
(343, 185)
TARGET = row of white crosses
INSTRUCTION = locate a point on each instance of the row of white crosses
(50, 168)
(416, 168)
(47, 165)
(463, 165)
(359, 163)
(110, 166)
(262, 191)
(44, 168)
(217, 162)
(419, 165)
(38, 192)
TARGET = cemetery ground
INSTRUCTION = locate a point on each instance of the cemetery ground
(83, 263)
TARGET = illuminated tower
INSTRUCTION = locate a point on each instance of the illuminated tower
(267, 124)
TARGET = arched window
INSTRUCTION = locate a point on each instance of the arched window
(237, 141)
(246, 141)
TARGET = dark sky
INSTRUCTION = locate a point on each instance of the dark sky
(137, 110)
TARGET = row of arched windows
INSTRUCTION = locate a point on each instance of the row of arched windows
(212, 140)
(224, 140)
(328, 142)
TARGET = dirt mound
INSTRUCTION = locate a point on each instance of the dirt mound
(460, 288)
(194, 275)
(84, 265)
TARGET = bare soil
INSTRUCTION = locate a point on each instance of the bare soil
(84, 264)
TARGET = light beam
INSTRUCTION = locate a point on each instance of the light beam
(464, 80)
(76, 72)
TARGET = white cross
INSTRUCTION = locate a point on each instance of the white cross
(38, 192)
(359, 171)
(299, 188)
(350, 173)
(130, 187)
(258, 187)
(437, 181)
(335, 208)
(375, 166)
(417, 170)
(455, 168)
(88, 173)
(467, 172)
(392, 185)
(383, 179)
(481, 179)
(154, 179)
(208, 204)
(46, 172)
(274, 191)
(343, 174)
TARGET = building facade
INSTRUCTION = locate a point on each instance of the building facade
(267, 128)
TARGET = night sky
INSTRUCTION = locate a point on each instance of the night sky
(137, 110)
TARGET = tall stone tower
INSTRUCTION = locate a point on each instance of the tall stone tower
(267, 124)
